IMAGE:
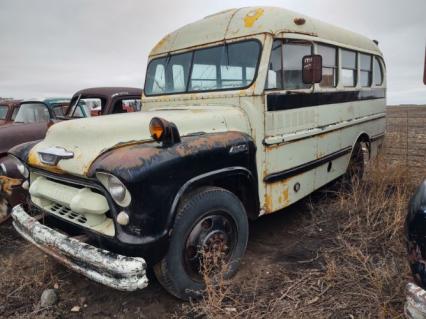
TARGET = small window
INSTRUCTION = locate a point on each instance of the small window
(377, 72)
(294, 52)
(365, 64)
(3, 112)
(178, 78)
(32, 113)
(329, 65)
(349, 68)
(126, 106)
(204, 77)
(15, 111)
(159, 85)
(275, 69)
(60, 110)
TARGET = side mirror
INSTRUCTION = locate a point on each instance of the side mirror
(312, 69)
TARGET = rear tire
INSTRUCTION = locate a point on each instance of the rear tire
(210, 218)
(356, 167)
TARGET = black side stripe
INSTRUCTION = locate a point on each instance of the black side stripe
(279, 102)
(306, 167)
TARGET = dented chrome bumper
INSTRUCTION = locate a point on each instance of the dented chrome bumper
(113, 270)
(415, 306)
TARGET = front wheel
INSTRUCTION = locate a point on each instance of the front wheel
(211, 227)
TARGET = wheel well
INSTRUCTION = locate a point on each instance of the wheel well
(238, 184)
(364, 138)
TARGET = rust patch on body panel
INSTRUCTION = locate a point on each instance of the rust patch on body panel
(34, 161)
(139, 155)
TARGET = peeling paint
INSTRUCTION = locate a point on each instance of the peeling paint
(251, 18)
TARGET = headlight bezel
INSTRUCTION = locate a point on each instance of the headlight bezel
(113, 184)
(21, 166)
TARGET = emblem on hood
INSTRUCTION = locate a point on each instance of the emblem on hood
(52, 155)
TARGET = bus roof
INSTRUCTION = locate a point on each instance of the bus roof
(249, 21)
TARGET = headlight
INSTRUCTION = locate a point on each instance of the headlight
(22, 168)
(116, 188)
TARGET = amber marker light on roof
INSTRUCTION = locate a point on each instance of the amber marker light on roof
(299, 21)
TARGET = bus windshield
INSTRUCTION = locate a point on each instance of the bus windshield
(224, 67)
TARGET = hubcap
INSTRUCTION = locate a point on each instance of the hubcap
(209, 244)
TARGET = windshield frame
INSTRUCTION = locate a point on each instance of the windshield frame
(168, 55)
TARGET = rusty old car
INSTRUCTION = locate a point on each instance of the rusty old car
(8, 110)
(244, 113)
(108, 100)
(31, 121)
(105, 100)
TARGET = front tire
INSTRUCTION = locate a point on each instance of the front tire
(209, 219)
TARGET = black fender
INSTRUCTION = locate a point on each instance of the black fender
(157, 177)
(22, 151)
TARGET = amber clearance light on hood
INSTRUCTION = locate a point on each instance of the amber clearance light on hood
(164, 131)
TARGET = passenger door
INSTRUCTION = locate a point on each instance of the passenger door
(289, 152)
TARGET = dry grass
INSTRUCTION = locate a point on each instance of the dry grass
(359, 272)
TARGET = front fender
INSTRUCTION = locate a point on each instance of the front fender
(154, 175)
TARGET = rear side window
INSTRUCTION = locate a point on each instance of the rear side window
(349, 68)
(377, 72)
(329, 65)
(365, 66)
(294, 52)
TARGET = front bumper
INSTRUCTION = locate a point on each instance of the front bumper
(113, 270)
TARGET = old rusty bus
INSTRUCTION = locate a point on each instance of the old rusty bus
(245, 112)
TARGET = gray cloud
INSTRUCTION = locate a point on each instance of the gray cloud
(54, 47)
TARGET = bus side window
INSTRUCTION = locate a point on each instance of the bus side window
(377, 72)
(349, 68)
(294, 51)
(329, 65)
(274, 79)
(365, 61)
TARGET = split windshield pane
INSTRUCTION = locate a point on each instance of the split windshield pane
(223, 67)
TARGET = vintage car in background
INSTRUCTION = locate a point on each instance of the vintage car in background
(35, 118)
(415, 231)
(30, 123)
(240, 119)
(105, 100)
(8, 110)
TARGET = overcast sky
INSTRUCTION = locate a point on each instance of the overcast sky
(56, 47)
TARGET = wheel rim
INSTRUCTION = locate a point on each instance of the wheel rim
(210, 243)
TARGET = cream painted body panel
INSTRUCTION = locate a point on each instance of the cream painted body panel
(250, 21)
(88, 138)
